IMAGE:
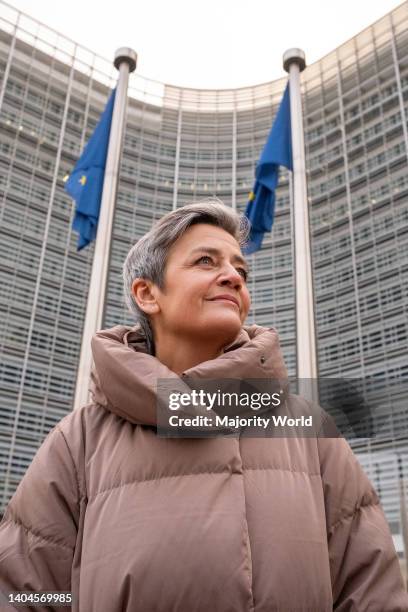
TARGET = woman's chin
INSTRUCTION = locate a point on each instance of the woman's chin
(225, 328)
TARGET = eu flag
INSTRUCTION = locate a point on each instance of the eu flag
(85, 183)
(277, 152)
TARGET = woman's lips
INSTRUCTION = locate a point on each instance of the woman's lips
(226, 298)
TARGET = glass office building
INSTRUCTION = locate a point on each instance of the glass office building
(181, 145)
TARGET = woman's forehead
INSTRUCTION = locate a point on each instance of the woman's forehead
(204, 234)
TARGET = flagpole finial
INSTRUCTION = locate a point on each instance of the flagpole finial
(294, 56)
(125, 54)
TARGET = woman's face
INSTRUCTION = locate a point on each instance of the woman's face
(205, 294)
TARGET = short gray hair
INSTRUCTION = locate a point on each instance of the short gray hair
(147, 258)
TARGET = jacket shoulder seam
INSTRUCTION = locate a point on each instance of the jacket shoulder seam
(201, 473)
(152, 479)
(351, 515)
(34, 532)
(281, 469)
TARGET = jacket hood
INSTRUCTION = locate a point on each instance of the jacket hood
(124, 376)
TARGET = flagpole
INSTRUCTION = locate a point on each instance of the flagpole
(306, 361)
(125, 62)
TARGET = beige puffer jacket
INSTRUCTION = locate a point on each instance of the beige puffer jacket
(128, 521)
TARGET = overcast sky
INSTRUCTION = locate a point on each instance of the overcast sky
(209, 43)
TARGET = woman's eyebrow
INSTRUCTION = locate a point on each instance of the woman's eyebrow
(214, 251)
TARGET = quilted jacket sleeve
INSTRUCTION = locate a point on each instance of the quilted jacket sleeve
(364, 566)
(39, 527)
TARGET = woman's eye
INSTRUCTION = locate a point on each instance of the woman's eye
(205, 259)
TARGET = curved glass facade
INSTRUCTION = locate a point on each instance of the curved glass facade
(181, 145)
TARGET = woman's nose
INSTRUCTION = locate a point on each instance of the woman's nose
(231, 276)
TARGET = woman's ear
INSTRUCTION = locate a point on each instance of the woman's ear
(144, 293)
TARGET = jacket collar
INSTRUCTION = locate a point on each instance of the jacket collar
(124, 377)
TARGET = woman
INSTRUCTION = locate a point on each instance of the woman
(127, 520)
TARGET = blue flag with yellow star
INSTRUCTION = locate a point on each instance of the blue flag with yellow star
(277, 152)
(85, 183)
